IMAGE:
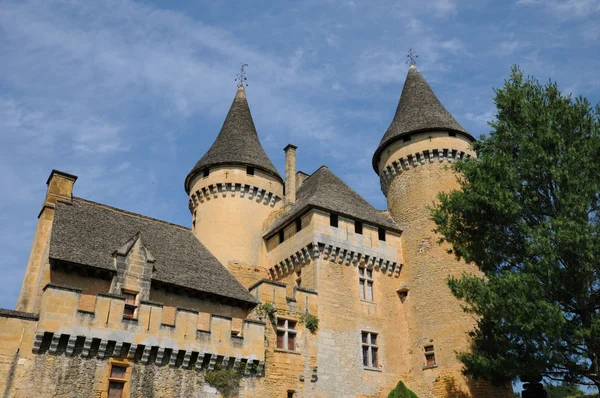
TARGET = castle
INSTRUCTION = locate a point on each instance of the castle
(296, 284)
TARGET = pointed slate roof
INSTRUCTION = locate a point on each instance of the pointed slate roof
(237, 143)
(324, 190)
(418, 110)
(88, 233)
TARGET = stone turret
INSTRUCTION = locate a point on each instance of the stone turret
(412, 162)
(233, 188)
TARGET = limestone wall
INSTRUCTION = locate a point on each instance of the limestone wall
(289, 370)
(433, 316)
(229, 208)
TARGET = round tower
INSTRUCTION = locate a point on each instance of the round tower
(412, 162)
(233, 188)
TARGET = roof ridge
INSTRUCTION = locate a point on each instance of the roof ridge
(129, 213)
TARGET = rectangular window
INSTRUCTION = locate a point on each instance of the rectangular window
(116, 381)
(358, 227)
(333, 220)
(406, 138)
(370, 350)
(452, 134)
(206, 172)
(250, 170)
(286, 334)
(281, 236)
(381, 233)
(429, 356)
(130, 304)
(298, 225)
(365, 283)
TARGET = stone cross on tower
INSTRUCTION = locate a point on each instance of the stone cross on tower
(411, 57)
(241, 76)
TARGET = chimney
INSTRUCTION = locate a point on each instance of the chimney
(290, 173)
(300, 177)
(60, 186)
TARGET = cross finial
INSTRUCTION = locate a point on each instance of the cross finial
(411, 57)
(241, 76)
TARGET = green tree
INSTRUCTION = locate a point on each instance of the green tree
(527, 216)
(564, 390)
(401, 391)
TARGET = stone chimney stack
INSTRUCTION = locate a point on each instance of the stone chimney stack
(290, 173)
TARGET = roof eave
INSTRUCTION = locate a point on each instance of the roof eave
(196, 171)
(305, 209)
(391, 140)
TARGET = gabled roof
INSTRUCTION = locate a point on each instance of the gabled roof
(418, 110)
(237, 143)
(88, 233)
(324, 190)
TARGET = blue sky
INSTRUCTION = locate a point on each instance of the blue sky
(128, 95)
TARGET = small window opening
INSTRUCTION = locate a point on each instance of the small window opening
(452, 134)
(381, 233)
(430, 356)
(291, 394)
(286, 334)
(370, 350)
(406, 138)
(130, 304)
(365, 283)
(333, 220)
(281, 236)
(298, 224)
(250, 170)
(116, 381)
(358, 227)
(206, 172)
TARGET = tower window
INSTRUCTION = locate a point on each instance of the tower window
(206, 172)
(365, 283)
(358, 227)
(333, 220)
(281, 236)
(451, 134)
(250, 170)
(298, 224)
(370, 350)
(286, 334)
(406, 138)
(381, 233)
(429, 356)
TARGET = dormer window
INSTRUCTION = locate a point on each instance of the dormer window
(451, 134)
(206, 172)
(130, 304)
(250, 170)
(406, 138)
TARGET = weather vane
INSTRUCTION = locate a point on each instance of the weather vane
(241, 76)
(411, 57)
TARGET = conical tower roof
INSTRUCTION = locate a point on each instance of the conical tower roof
(419, 110)
(237, 143)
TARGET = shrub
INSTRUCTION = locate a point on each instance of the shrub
(226, 381)
(310, 321)
(266, 310)
(400, 391)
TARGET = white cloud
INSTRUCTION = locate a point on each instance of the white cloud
(566, 9)
(509, 47)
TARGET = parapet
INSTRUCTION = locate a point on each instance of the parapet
(106, 332)
(303, 300)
